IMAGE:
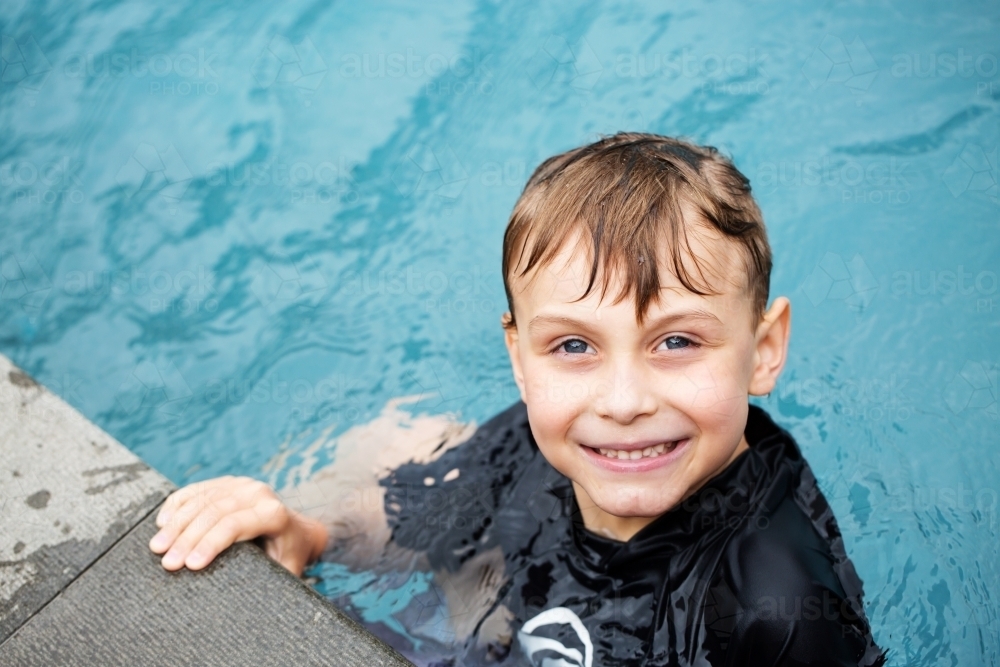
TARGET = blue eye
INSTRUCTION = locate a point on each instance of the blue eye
(574, 346)
(676, 342)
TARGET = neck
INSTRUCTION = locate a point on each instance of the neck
(623, 528)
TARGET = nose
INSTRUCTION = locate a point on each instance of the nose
(628, 395)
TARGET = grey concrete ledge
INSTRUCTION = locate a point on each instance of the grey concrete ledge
(79, 585)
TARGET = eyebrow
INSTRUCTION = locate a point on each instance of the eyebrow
(696, 314)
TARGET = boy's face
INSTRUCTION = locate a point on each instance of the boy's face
(641, 416)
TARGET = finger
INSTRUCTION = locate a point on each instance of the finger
(229, 492)
(295, 560)
(289, 555)
(237, 527)
(201, 513)
(181, 496)
(192, 516)
(178, 498)
(197, 527)
(179, 520)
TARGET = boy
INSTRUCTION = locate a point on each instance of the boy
(633, 509)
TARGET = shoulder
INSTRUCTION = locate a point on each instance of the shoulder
(791, 603)
(449, 507)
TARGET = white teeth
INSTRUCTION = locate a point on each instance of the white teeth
(632, 455)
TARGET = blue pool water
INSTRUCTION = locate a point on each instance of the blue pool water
(229, 232)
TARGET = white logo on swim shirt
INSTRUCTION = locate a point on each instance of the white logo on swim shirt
(532, 644)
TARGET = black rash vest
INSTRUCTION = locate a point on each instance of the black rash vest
(750, 570)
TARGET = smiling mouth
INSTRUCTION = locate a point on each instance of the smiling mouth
(635, 454)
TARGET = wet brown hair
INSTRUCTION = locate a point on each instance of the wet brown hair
(626, 193)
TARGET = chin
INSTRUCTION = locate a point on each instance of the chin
(636, 502)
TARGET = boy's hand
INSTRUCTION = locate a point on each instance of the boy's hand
(199, 521)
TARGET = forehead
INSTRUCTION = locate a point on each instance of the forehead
(710, 260)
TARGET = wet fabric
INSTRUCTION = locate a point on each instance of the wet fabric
(751, 570)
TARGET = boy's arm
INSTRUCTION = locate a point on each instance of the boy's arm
(199, 521)
(204, 518)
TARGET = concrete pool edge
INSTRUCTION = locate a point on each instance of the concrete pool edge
(79, 585)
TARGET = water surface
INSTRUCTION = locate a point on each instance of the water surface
(231, 235)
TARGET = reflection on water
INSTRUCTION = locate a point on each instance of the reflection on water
(233, 237)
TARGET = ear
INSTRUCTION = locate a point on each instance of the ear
(772, 346)
(510, 338)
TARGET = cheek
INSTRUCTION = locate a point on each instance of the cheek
(710, 392)
(557, 391)
(550, 426)
(554, 401)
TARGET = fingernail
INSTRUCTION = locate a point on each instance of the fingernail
(196, 559)
(172, 559)
(163, 518)
(158, 542)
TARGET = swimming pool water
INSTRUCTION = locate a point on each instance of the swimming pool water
(229, 233)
